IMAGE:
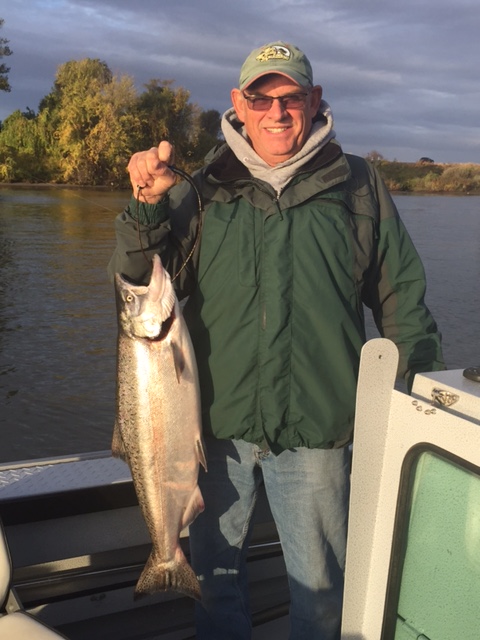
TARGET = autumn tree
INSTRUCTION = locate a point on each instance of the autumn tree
(164, 113)
(113, 138)
(4, 51)
(91, 122)
(95, 121)
(22, 149)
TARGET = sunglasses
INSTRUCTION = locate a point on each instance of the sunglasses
(264, 103)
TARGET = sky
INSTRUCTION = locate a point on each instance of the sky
(401, 76)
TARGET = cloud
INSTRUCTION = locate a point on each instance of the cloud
(400, 79)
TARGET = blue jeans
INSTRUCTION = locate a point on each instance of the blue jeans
(308, 491)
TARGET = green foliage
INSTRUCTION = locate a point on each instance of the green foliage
(463, 177)
(164, 113)
(91, 122)
(431, 177)
(208, 134)
(94, 127)
(4, 51)
(22, 150)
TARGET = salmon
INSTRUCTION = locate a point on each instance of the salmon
(158, 424)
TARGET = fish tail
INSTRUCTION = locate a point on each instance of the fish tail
(176, 575)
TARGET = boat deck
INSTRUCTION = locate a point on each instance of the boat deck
(78, 543)
(49, 475)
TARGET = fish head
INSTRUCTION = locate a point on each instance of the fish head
(143, 310)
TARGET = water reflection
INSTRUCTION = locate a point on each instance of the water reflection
(57, 319)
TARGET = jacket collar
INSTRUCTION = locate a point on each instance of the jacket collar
(330, 163)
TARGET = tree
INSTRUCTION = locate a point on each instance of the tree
(209, 133)
(374, 157)
(111, 140)
(4, 51)
(91, 122)
(94, 123)
(164, 113)
(22, 150)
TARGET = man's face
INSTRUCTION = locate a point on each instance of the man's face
(279, 133)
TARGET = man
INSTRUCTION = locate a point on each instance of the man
(296, 237)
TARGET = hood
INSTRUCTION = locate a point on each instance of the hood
(280, 175)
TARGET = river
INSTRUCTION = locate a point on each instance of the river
(57, 315)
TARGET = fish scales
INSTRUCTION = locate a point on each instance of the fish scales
(158, 424)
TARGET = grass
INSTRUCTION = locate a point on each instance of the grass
(430, 177)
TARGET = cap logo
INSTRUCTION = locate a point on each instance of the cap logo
(274, 52)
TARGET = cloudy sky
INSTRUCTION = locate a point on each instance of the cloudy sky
(401, 76)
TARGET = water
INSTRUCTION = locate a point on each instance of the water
(446, 233)
(57, 316)
(57, 321)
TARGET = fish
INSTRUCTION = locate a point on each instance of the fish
(157, 429)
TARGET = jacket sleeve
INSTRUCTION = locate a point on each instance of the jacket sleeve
(396, 293)
(168, 228)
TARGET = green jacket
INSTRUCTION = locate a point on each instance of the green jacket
(276, 292)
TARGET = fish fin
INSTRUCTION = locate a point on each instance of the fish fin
(202, 458)
(176, 575)
(118, 448)
(160, 288)
(167, 304)
(178, 360)
(195, 506)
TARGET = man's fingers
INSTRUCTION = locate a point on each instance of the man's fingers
(166, 152)
(145, 166)
(150, 172)
(137, 168)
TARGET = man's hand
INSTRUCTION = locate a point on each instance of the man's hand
(149, 170)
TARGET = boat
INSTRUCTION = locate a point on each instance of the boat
(78, 543)
(77, 540)
(413, 549)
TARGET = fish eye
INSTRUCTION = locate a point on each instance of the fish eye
(129, 297)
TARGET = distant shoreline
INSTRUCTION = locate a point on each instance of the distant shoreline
(56, 185)
(419, 178)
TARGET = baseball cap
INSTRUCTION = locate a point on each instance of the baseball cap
(277, 57)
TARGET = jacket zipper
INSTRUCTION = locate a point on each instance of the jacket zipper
(276, 201)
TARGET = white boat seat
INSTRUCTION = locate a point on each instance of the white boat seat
(15, 623)
(22, 626)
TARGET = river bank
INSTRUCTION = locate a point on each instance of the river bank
(420, 178)
(430, 178)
